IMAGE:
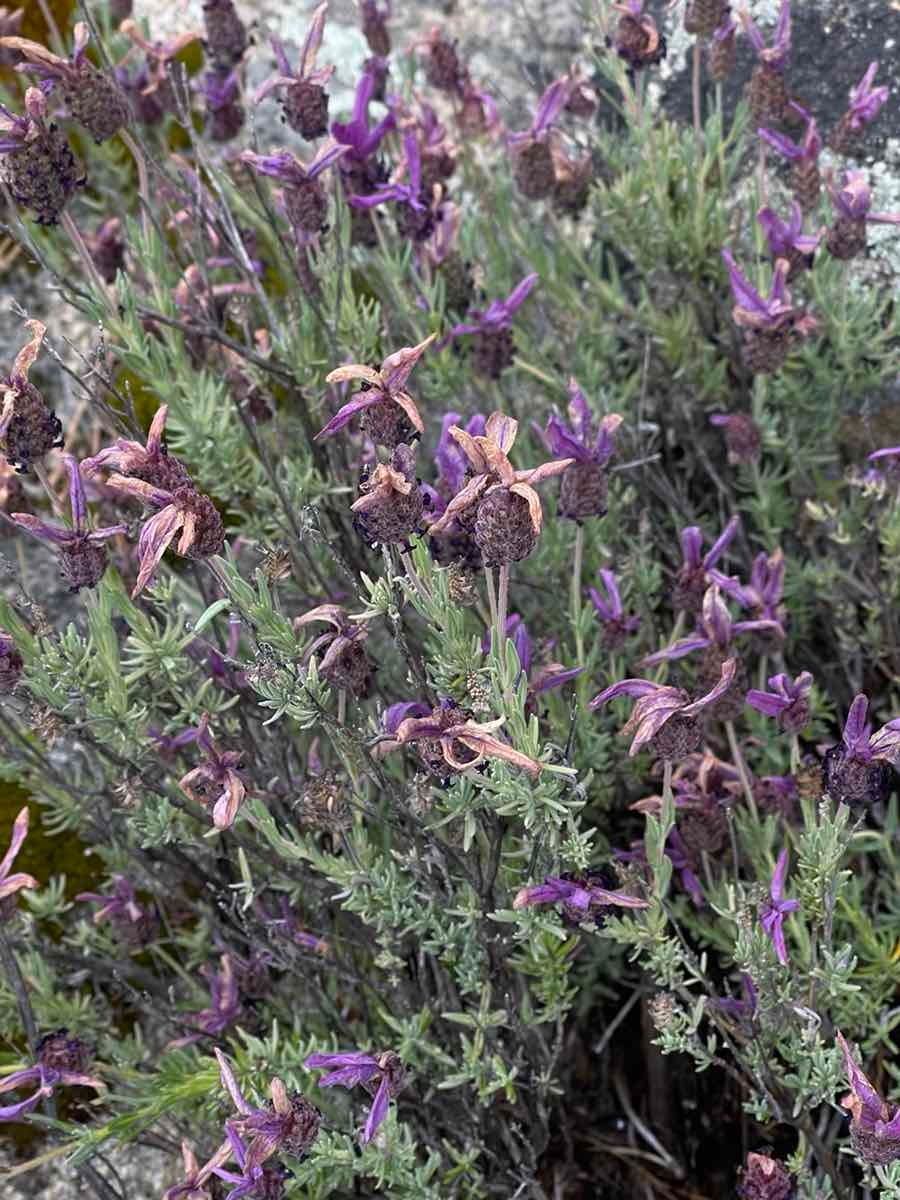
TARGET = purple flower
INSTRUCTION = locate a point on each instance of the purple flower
(580, 898)
(691, 581)
(451, 462)
(742, 436)
(195, 1177)
(215, 784)
(120, 907)
(786, 238)
(680, 858)
(382, 1075)
(10, 884)
(499, 313)
(874, 1124)
(866, 102)
(753, 311)
(305, 204)
(255, 1179)
(288, 926)
(853, 201)
(306, 72)
(578, 439)
(764, 593)
(747, 1005)
(550, 106)
(415, 214)
(609, 608)
(386, 386)
(83, 557)
(657, 704)
(788, 702)
(718, 630)
(60, 1061)
(224, 1008)
(345, 664)
(858, 771)
(777, 908)
(150, 462)
(546, 678)
(179, 509)
(807, 151)
(774, 56)
(452, 740)
(291, 1125)
(355, 134)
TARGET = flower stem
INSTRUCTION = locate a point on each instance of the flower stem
(84, 254)
(492, 595)
(19, 989)
(577, 568)
(502, 606)
(742, 767)
(143, 179)
(44, 480)
(695, 90)
(413, 575)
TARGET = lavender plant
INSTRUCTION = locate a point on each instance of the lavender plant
(325, 709)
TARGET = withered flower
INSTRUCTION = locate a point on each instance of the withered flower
(390, 416)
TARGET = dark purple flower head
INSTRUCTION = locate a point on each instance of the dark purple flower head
(579, 439)
(742, 436)
(807, 151)
(361, 140)
(375, 15)
(150, 462)
(216, 784)
(775, 56)
(858, 771)
(691, 580)
(499, 313)
(36, 161)
(382, 1075)
(581, 899)
(752, 310)
(609, 608)
(786, 238)
(386, 386)
(344, 664)
(306, 71)
(289, 1126)
(224, 110)
(874, 1124)
(853, 201)
(60, 1061)
(83, 557)
(636, 38)
(777, 908)
(224, 1008)
(718, 629)
(765, 1178)
(787, 702)
(93, 98)
(659, 704)
(180, 509)
(866, 102)
(680, 857)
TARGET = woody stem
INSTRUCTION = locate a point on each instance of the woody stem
(577, 569)
(143, 179)
(44, 480)
(492, 595)
(19, 989)
(695, 88)
(502, 606)
(84, 254)
(742, 767)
